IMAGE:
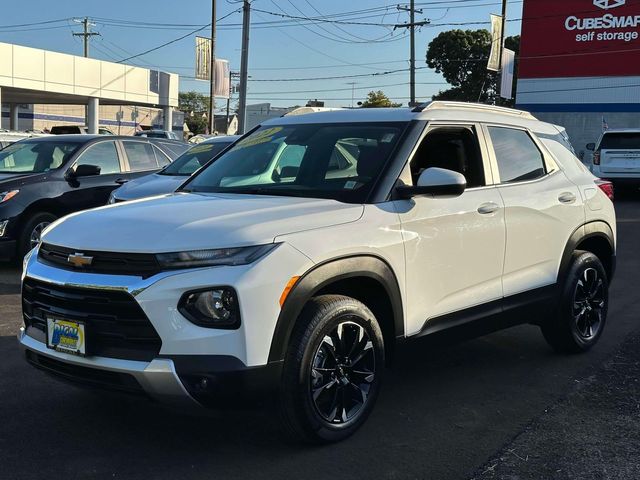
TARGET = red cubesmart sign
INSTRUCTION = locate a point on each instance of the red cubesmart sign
(580, 38)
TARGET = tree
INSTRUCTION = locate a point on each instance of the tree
(193, 102)
(461, 57)
(378, 99)
(197, 124)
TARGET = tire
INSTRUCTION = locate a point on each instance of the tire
(323, 400)
(37, 222)
(582, 310)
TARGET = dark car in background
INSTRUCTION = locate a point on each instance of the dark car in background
(172, 176)
(159, 134)
(43, 179)
(77, 130)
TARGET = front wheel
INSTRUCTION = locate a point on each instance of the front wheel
(32, 231)
(332, 370)
(582, 311)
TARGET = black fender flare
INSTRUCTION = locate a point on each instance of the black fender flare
(328, 272)
(593, 229)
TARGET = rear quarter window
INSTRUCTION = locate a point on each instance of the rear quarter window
(518, 157)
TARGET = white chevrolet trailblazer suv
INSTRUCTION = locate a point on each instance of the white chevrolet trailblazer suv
(379, 225)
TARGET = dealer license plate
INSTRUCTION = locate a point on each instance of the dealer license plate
(66, 336)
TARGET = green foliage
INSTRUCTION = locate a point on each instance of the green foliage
(461, 57)
(196, 124)
(193, 102)
(377, 100)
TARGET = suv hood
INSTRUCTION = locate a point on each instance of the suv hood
(148, 186)
(188, 221)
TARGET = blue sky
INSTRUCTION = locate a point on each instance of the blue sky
(286, 51)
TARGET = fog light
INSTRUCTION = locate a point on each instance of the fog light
(3, 227)
(212, 308)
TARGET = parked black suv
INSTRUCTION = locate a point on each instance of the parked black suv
(42, 179)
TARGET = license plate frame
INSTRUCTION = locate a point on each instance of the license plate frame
(71, 333)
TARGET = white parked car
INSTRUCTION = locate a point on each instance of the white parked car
(454, 215)
(616, 157)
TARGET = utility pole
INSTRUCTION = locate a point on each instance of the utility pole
(244, 66)
(353, 91)
(86, 33)
(504, 26)
(212, 71)
(412, 31)
(231, 75)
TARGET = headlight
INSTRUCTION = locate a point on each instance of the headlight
(5, 196)
(218, 257)
(212, 308)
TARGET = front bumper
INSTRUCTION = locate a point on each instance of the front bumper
(183, 381)
(194, 365)
(157, 379)
(7, 249)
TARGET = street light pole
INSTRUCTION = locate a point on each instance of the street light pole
(212, 69)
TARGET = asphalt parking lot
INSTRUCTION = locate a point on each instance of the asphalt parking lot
(501, 406)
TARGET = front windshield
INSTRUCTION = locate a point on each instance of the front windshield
(194, 158)
(35, 157)
(338, 161)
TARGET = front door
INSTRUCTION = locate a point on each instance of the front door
(454, 247)
(93, 191)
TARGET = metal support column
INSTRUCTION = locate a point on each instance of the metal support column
(13, 117)
(93, 114)
(167, 118)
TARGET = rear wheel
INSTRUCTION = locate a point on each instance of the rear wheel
(582, 312)
(332, 370)
(32, 231)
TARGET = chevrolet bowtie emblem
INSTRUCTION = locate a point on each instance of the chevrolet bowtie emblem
(79, 260)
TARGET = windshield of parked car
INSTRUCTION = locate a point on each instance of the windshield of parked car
(338, 161)
(620, 141)
(194, 158)
(35, 157)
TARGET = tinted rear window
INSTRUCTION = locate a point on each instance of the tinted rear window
(620, 141)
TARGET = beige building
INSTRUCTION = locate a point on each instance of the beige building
(41, 88)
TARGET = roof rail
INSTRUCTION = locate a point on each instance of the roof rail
(480, 107)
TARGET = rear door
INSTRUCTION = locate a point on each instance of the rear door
(141, 159)
(620, 152)
(542, 208)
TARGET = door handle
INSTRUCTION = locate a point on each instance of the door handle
(121, 181)
(567, 197)
(488, 208)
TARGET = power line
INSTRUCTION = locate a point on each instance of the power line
(346, 89)
(337, 77)
(175, 39)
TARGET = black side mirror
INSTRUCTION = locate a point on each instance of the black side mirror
(438, 182)
(84, 171)
(591, 146)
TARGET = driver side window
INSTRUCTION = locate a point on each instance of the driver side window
(453, 148)
(103, 155)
